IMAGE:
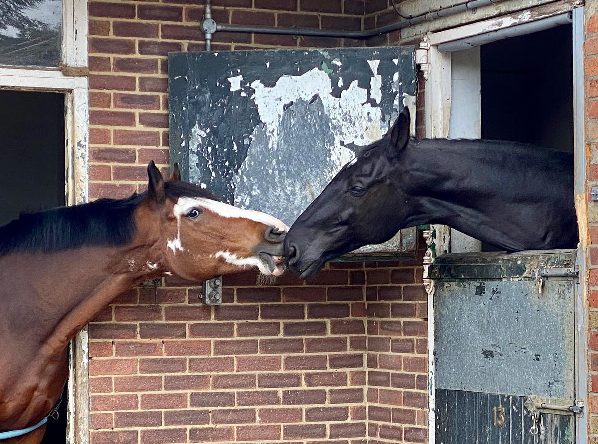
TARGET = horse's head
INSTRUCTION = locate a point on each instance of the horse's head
(198, 237)
(359, 206)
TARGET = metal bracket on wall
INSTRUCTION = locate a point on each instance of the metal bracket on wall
(594, 194)
(212, 291)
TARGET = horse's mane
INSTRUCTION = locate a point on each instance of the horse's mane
(102, 222)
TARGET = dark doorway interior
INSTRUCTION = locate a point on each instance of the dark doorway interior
(32, 142)
(527, 89)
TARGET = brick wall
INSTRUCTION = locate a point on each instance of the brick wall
(591, 112)
(332, 360)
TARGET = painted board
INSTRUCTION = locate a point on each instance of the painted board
(268, 130)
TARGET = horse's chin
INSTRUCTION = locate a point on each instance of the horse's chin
(312, 269)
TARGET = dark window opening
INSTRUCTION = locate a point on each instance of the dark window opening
(32, 147)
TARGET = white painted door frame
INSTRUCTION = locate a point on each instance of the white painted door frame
(70, 79)
(437, 122)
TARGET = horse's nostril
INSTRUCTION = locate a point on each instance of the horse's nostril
(292, 254)
(273, 234)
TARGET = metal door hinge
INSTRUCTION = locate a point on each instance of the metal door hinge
(544, 273)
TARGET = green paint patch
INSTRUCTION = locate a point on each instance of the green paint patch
(327, 69)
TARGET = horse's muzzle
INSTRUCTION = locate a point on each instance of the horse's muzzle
(272, 250)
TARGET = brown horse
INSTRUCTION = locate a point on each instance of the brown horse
(59, 268)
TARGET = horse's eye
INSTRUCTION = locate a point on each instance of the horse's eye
(193, 213)
(357, 190)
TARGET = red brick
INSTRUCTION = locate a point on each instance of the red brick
(258, 295)
(415, 399)
(182, 32)
(315, 328)
(99, 136)
(163, 401)
(212, 329)
(101, 421)
(137, 101)
(416, 328)
(303, 431)
(349, 430)
(154, 120)
(379, 379)
(138, 419)
(260, 329)
(280, 415)
(319, 414)
(161, 156)
(316, 345)
(137, 348)
(132, 137)
(233, 416)
(346, 360)
(100, 384)
(187, 313)
(111, 46)
(234, 381)
(135, 29)
(326, 379)
(403, 416)
(135, 65)
(112, 367)
(236, 313)
(98, 64)
(113, 402)
(186, 417)
(399, 345)
(164, 436)
(327, 311)
(346, 396)
(112, 155)
(300, 397)
(161, 330)
(282, 345)
(258, 363)
(116, 82)
(304, 294)
(162, 365)
(113, 437)
(100, 349)
(137, 383)
(347, 327)
(415, 435)
(112, 331)
(282, 311)
(186, 382)
(111, 10)
(153, 84)
(114, 191)
(298, 20)
(213, 399)
(259, 433)
(278, 380)
(160, 13)
(216, 365)
(259, 18)
(235, 347)
(187, 348)
(212, 434)
(414, 293)
(98, 27)
(260, 397)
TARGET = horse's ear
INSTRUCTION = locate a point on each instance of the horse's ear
(155, 186)
(399, 133)
(176, 173)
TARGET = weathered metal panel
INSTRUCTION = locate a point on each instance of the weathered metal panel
(469, 418)
(269, 129)
(504, 335)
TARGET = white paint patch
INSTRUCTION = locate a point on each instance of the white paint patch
(375, 81)
(184, 204)
(235, 83)
(10, 31)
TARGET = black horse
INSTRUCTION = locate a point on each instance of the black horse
(511, 195)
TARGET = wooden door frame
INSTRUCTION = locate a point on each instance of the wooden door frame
(437, 123)
(70, 79)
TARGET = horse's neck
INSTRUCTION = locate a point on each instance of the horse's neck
(64, 289)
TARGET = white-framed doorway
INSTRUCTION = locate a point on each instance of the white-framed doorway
(69, 78)
(441, 121)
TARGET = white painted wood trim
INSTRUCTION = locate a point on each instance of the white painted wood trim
(41, 80)
(502, 22)
(74, 33)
